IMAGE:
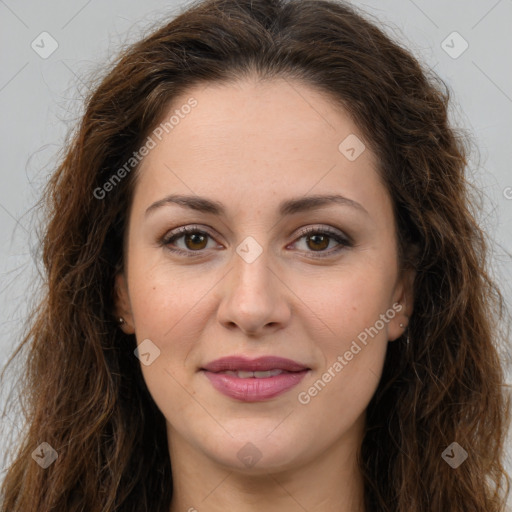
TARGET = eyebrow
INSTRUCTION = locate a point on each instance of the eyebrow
(288, 207)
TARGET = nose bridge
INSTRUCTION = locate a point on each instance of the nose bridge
(252, 298)
(251, 280)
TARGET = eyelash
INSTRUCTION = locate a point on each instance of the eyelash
(180, 232)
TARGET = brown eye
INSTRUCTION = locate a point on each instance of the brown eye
(195, 241)
(319, 242)
(187, 240)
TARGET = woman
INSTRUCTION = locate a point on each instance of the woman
(265, 286)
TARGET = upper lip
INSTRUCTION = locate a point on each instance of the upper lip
(241, 363)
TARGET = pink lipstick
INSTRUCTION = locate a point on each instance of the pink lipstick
(254, 380)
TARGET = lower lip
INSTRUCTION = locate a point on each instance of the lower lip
(254, 389)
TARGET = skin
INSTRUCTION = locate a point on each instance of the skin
(251, 145)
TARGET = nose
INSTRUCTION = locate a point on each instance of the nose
(254, 299)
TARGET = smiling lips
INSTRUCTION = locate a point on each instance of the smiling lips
(254, 380)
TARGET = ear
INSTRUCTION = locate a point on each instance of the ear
(404, 295)
(122, 304)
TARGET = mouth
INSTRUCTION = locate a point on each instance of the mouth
(254, 380)
(241, 374)
(261, 364)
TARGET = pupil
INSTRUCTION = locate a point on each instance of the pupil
(193, 239)
(314, 237)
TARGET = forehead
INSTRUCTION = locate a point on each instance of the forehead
(257, 139)
(257, 117)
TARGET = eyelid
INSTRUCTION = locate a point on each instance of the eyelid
(341, 238)
(179, 232)
(324, 229)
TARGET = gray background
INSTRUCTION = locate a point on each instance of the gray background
(40, 99)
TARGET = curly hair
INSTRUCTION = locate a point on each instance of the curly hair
(83, 391)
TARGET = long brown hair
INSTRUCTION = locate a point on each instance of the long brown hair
(83, 390)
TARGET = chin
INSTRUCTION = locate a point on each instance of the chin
(258, 453)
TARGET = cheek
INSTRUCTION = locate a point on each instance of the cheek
(347, 301)
(338, 396)
(164, 296)
(169, 306)
(353, 352)
(167, 311)
(174, 323)
(354, 312)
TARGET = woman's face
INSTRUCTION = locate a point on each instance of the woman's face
(248, 169)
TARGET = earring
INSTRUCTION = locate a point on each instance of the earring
(406, 332)
(120, 320)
